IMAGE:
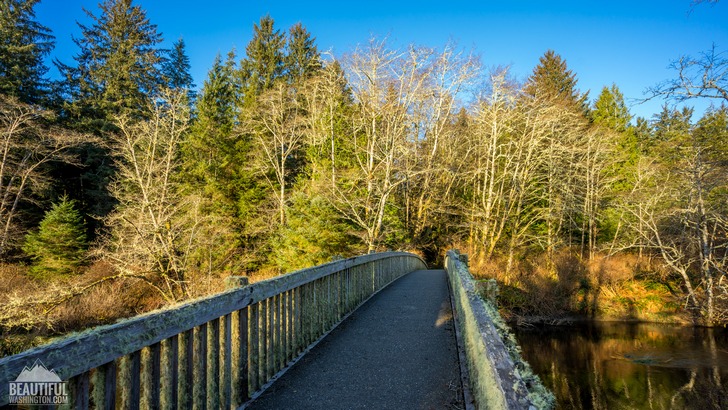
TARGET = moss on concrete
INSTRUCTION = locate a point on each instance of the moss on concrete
(538, 394)
(500, 378)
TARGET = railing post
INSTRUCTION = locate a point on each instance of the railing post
(253, 348)
(226, 368)
(298, 324)
(213, 364)
(104, 392)
(263, 313)
(199, 399)
(240, 358)
(79, 391)
(169, 373)
(186, 369)
(150, 372)
(234, 282)
(271, 347)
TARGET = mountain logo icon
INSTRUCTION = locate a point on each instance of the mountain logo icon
(36, 385)
(38, 373)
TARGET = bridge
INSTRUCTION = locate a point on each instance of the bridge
(374, 331)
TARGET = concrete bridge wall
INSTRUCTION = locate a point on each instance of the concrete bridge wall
(496, 381)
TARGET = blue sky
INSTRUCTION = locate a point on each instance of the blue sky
(629, 43)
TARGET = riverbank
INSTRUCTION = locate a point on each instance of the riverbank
(567, 289)
(609, 333)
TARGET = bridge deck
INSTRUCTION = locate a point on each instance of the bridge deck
(397, 351)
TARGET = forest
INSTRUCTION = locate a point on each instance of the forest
(124, 187)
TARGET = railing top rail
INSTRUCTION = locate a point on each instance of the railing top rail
(283, 283)
(83, 351)
(508, 389)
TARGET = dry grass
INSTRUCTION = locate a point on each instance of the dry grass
(13, 277)
(607, 288)
(614, 269)
(34, 310)
(263, 274)
(206, 284)
(105, 303)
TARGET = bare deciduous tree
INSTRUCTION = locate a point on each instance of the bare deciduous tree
(277, 125)
(526, 172)
(704, 77)
(156, 231)
(525, 165)
(594, 183)
(432, 163)
(681, 215)
(490, 152)
(400, 135)
(385, 84)
(325, 99)
(28, 142)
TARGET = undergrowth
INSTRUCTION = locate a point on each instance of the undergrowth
(621, 287)
(34, 310)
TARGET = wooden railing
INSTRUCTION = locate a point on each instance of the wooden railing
(212, 353)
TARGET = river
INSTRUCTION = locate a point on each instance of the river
(630, 365)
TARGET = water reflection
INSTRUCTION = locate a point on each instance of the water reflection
(630, 366)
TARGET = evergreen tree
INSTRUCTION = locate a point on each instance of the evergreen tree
(302, 58)
(553, 79)
(314, 234)
(712, 133)
(117, 68)
(671, 123)
(24, 43)
(302, 63)
(611, 118)
(176, 70)
(671, 128)
(209, 151)
(216, 161)
(611, 113)
(60, 243)
(264, 62)
(116, 73)
(553, 86)
(610, 110)
(643, 134)
(263, 65)
(31, 144)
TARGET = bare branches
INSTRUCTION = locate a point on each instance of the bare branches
(27, 143)
(405, 104)
(384, 83)
(698, 2)
(678, 212)
(704, 77)
(434, 145)
(156, 230)
(276, 123)
(35, 309)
